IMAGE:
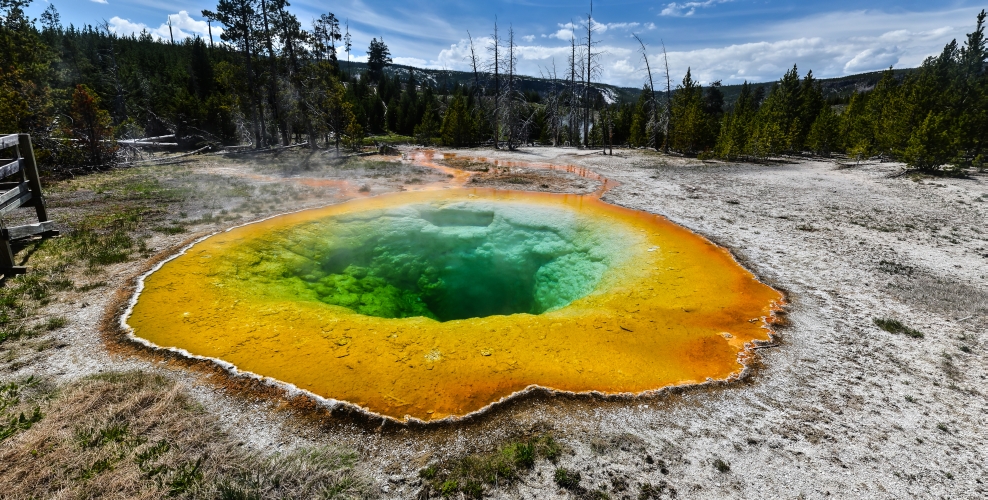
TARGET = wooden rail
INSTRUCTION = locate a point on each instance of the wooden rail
(24, 191)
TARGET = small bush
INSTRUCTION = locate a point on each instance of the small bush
(428, 472)
(10, 421)
(722, 466)
(567, 479)
(896, 326)
(470, 475)
(54, 323)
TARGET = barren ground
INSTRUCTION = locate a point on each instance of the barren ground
(839, 408)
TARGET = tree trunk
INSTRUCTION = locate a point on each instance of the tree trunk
(668, 102)
(497, 85)
(572, 91)
(511, 89)
(255, 122)
(586, 81)
(273, 84)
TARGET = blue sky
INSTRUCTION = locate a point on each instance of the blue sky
(729, 40)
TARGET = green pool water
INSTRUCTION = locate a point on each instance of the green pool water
(447, 261)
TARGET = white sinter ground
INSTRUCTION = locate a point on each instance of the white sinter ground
(839, 409)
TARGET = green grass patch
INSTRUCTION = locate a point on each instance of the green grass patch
(566, 478)
(91, 286)
(896, 326)
(473, 475)
(175, 229)
(390, 139)
(54, 323)
(12, 421)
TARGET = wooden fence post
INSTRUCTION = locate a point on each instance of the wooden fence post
(24, 192)
(33, 179)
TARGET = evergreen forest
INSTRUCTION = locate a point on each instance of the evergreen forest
(87, 94)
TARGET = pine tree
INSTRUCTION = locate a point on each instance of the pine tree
(779, 122)
(972, 127)
(689, 119)
(427, 131)
(459, 128)
(733, 140)
(887, 115)
(824, 135)
(378, 58)
(713, 107)
(930, 145)
(638, 133)
(856, 129)
(811, 104)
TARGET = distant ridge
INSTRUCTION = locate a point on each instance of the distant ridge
(837, 89)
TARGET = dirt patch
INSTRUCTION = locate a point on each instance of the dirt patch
(523, 179)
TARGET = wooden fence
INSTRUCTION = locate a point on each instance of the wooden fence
(24, 190)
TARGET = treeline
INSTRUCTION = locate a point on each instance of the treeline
(267, 80)
(933, 117)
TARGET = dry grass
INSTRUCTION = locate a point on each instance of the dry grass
(136, 435)
(951, 298)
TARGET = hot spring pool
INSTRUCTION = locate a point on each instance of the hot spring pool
(439, 303)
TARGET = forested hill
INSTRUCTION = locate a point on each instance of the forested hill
(439, 79)
(836, 90)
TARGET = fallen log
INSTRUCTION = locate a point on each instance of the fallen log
(163, 161)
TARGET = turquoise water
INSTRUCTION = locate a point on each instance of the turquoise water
(447, 261)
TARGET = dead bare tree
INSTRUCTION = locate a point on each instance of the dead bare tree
(495, 48)
(592, 66)
(473, 62)
(652, 102)
(552, 106)
(668, 111)
(572, 90)
(510, 118)
(348, 45)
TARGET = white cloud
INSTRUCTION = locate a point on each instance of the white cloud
(124, 27)
(104, 2)
(828, 57)
(185, 22)
(831, 44)
(688, 8)
(622, 26)
(872, 59)
(568, 31)
(563, 34)
(183, 26)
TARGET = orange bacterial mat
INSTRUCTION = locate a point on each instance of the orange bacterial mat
(433, 304)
